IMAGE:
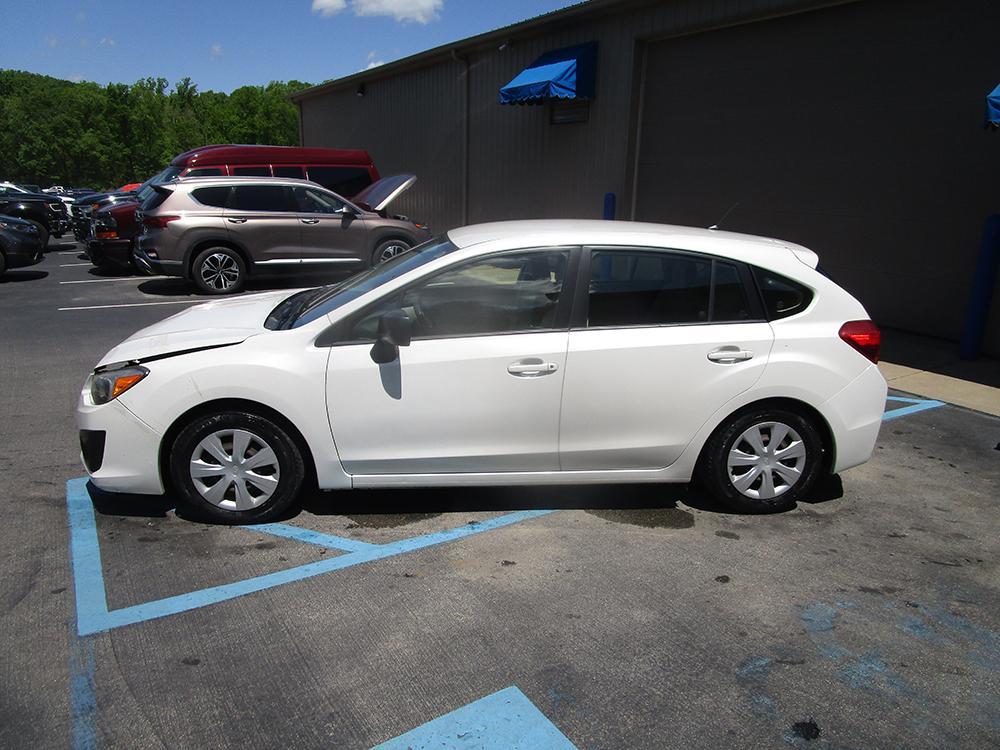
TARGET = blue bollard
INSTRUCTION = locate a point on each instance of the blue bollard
(982, 290)
(609, 206)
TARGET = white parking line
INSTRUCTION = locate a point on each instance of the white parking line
(138, 304)
(72, 265)
(117, 278)
(71, 252)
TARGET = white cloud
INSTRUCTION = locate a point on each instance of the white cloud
(52, 41)
(374, 64)
(421, 11)
(328, 7)
(77, 78)
(107, 41)
(216, 51)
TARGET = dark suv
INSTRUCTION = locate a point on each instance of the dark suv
(46, 212)
(218, 230)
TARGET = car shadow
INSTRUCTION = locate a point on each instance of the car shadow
(14, 276)
(61, 245)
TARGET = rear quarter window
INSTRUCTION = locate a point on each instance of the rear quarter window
(782, 296)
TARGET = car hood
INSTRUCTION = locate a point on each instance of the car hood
(380, 194)
(216, 323)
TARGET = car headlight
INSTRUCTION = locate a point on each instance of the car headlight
(108, 385)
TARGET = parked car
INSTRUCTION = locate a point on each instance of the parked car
(46, 212)
(217, 231)
(20, 244)
(539, 352)
(129, 187)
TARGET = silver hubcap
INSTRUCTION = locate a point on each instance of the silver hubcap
(766, 460)
(220, 271)
(234, 470)
(391, 251)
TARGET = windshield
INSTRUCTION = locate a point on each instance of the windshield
(305, 307)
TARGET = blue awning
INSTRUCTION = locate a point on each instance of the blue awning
(567, 73)
(993, 108)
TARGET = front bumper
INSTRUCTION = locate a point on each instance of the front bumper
(110, 252)
(22, 250)
(129, 457)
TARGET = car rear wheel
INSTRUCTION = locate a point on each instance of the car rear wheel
(389, 249)
(3, 263)
(219, 270)
(43, 233)
(236, 467)
(763, 461)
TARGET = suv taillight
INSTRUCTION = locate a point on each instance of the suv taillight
(158, 222)
(864, 336)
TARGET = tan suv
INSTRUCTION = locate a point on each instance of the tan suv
(218, 230)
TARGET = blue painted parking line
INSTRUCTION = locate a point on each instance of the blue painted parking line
(506, 720)
(915, 405)
(312, 537)
(93, 615)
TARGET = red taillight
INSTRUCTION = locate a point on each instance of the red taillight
(864, 336)
(107, 235)
(158, 222)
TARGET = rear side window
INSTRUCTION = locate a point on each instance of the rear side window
(782, 296)
(261, 171)
(347, 181)
(212, 196)
(204, 172)
(642, 288)
(260, 198)
(296, 172)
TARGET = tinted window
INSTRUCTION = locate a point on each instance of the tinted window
(154, 200)
(312, 201)
(212, 196)
(502, 294)
(252, 171)
(729, 298)
(782, 296)
(259, 198)
(204, 172)
(346, 181)
(296, 172)
(645, 288)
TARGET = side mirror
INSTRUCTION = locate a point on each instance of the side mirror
(395, 329)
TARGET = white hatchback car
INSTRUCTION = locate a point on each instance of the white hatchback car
(533, 352)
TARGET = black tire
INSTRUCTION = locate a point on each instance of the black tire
(43, 233)
(288, 467)
(3, 263)
(714, 470)
(219, 270)
(387, 249)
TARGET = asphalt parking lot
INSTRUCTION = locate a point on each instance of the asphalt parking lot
(548, 618)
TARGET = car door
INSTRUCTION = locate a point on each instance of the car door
(660, 341)
(477, 389)
(261, 219)
(331, 231)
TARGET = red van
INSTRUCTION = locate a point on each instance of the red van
(113, 228)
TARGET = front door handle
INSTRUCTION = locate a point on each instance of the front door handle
(237, 221)
(309, 221)
(729, 355)
(531, 368)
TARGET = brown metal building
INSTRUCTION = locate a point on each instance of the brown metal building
(854, 128)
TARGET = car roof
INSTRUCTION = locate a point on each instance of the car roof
(594, 232)
(234, 153)
(238, 180)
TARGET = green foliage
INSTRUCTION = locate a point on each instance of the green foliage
(55, 132)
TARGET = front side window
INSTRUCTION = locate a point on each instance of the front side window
(313, 201)
(649, 288)
(295, 172)
(204, 172)
(347, 181)
(516, 292)
(782, 296)
(260, 198)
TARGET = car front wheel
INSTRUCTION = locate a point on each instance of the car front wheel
(219, 270)
(236, 467)
(763, 461)
(389, 249)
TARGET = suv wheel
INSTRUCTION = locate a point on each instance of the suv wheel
(389, 249)
(763, 461)
(43, 233)
(219, 270)
(3, 263)
(236, 467)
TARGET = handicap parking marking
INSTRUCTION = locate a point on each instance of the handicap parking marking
(915, 405)
(506, 720)
(93, 615)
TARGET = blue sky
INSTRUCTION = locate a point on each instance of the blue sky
(224, 44)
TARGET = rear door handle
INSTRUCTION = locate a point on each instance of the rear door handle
(729, 355)
(309, 221)
(531, 368)
(237, 221)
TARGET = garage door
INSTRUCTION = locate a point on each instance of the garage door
(854, 130)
